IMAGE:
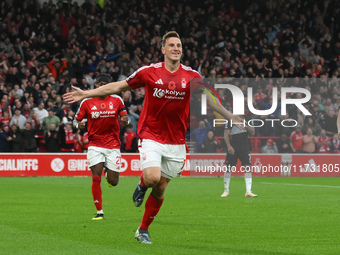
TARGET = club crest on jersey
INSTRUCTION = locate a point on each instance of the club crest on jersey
(172, 85)
(111, 105)
(102, 106)
(94, 115)
(183, 83)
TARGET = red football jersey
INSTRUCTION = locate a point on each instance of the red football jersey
(324, 147)
(102, 120)
(128, 139)
(296, 139)
(166, 103)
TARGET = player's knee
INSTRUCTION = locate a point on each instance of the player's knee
(151, 181)
(114, 182)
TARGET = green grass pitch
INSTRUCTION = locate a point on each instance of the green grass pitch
(52, 215)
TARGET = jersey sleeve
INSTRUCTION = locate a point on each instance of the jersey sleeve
(121, 108)
(136, 80)
(197, 84)
(81, 113)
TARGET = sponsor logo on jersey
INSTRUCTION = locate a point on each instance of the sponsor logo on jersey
(94, 108)
(103, 114)
(94, 115)
(169, 94)
(159, 82)
(172, 85)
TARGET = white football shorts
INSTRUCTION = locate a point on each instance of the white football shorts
(110, 157)
(170, 158)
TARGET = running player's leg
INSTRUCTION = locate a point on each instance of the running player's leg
(96, 161)
(230, 164)
(154, 202)
(173, 158)
(97, 190)
(112, 177)
(152, 207)
(151, 177)
(246, 163)
(112, 166)
(151, 157)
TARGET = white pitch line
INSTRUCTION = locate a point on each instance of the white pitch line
(303, 185)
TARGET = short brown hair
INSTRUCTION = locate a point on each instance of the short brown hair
(168, 35)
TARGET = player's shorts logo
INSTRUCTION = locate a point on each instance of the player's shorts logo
(172, 85)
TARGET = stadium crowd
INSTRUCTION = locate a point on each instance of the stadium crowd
(275, 43)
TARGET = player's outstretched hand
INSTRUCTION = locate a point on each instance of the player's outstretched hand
(74, 96)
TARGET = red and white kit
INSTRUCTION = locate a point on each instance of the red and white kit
(103, 128)
(165, 112)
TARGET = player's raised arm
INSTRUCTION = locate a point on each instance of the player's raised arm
(237, 120)
(111, 88)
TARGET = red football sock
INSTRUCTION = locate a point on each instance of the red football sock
(97, 192)
(152, 207)
(142, 184)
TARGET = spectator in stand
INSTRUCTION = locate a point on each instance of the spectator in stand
(66, 138)
(5, 105)
(296, 138)
(309, 142)
(18, 119)
(29, 140)
(323, 142)
(52, 139)
(134, 117)
(26, 111)
(334, 144)
(270, 147)
(200, 134)
(130, 139)
(51, 118)
(44, 97)
(33, 120)
(56, 68)
(6, 119)
(41, 112)
(69, 117)
(127, 98)
(138, 98)
(210, 144)
(78, 142)
(330, 123)
(284, 144)
(4, 139)
(310, 123)
(18, 91)
(15, 137)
